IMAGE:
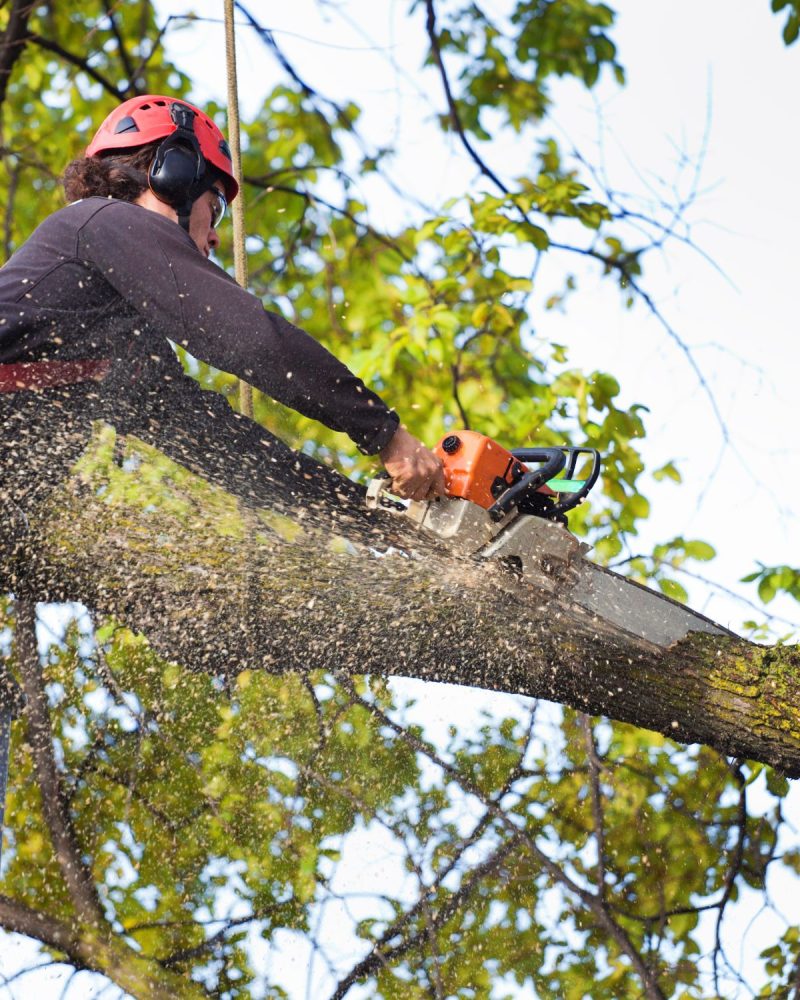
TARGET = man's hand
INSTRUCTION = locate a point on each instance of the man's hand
(417, 473)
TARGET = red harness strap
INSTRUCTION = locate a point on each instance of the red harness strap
(37, 375)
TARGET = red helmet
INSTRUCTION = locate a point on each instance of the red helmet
(147, 119)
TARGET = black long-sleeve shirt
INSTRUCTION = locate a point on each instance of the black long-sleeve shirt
(110, 279)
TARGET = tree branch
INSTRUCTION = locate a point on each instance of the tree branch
(733, 869)
(597, 802)
(379, 956)
(9, 208)
(269, 40)
(651, 989)
(79, 61)
(109, 8)
(610, 262)
(13, 41)
(78, 879)
(455, 118)
(17, 918)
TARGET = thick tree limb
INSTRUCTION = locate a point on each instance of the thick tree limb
(446, 619)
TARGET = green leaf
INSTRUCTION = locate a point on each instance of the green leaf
(700, 550)
(777, 783)
(673, 589)
(667, 471)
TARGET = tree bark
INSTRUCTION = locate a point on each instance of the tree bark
(294, 587)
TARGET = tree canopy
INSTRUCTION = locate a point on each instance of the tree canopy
(170, 829)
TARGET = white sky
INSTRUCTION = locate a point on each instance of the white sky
(685, 60)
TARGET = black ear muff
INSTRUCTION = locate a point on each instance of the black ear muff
(177, 171)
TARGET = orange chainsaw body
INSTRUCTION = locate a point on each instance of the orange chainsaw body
(477, 468)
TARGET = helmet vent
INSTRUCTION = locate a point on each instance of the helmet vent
(126, 124)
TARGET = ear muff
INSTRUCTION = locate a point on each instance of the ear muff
(177, 171)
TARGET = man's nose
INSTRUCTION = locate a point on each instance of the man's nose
(213, 238)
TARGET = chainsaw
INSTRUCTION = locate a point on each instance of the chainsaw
(511, 507)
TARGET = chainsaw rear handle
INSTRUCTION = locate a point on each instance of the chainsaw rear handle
(552, 462)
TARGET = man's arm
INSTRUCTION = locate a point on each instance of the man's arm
(158, 269)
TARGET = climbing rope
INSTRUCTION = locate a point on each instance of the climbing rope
(237, 208)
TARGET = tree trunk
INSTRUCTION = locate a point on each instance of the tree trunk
(216, 586)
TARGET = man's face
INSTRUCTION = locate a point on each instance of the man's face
(207, 211)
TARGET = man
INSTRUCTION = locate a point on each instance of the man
(88, 304)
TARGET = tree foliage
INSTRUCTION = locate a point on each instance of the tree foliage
(539, 848)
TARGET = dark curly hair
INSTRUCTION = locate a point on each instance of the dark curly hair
(109, 175)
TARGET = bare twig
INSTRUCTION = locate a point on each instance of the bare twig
(734, 868)
(379, 956)
(619, 265)
(269, 40)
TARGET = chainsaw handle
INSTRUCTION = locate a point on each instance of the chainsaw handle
(553, 461)
(571, 456)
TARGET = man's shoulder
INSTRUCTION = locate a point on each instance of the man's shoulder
(91, 215)
(81, 211)
(104, 212)
(105, 225)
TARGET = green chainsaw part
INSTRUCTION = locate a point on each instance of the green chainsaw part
(566, 485)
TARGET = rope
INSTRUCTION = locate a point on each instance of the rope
(237, 208)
